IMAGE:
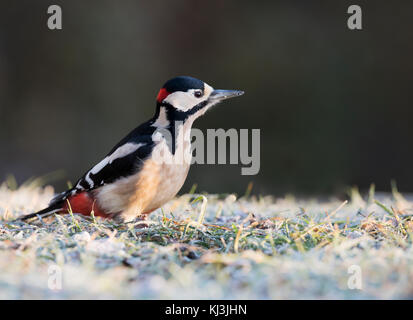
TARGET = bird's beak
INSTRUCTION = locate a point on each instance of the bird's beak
(225, 94)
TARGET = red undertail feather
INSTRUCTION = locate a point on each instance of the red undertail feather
(83, 203)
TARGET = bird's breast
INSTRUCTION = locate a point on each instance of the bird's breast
(158, 180)
(165, 173)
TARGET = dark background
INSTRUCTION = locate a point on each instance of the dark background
(334, 106)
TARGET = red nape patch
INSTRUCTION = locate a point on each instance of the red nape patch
(163, 93)
(83, 203)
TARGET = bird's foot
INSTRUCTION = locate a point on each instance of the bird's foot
(141, 221)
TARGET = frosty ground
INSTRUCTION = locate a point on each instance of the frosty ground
(212, 247)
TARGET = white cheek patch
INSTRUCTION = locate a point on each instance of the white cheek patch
(185, 101)
(182, 100)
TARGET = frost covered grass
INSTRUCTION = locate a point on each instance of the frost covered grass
(211, 247)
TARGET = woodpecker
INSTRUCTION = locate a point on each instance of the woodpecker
(148, 167)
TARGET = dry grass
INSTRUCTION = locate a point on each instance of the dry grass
(215, 247)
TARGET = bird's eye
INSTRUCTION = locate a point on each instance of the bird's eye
(198, 93)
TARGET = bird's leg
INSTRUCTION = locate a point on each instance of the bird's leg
(131, 216)
(141, 221)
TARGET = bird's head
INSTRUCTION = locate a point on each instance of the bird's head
(185, 99)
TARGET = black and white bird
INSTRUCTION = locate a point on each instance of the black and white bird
(148, 167)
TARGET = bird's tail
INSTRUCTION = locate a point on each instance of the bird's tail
(55, 205)
(51, 209)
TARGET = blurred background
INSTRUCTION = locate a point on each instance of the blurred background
(334, 106)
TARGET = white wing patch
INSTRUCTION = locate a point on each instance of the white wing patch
(124, 150)
(120, 152)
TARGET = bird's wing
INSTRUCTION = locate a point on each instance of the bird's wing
(124, 160)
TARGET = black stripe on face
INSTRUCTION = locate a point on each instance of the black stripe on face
(174, 114)
(178, 116)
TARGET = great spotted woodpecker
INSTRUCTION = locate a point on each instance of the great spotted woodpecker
(134, 179)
